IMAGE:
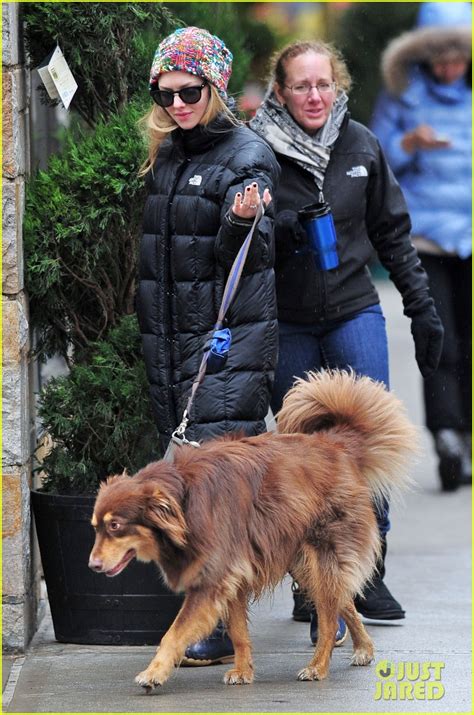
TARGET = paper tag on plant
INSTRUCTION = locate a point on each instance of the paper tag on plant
(57, 77)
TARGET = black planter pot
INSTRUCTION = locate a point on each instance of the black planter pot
(134, 608)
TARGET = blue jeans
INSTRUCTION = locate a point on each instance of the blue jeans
(359, 342)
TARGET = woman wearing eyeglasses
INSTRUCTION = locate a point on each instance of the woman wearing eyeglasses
(206, 175)
(330, 317)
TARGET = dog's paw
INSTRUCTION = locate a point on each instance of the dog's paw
(362, 656)
(149, 679)
(311, 673)
(238, 677)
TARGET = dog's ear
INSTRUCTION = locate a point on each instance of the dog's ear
(164, 513)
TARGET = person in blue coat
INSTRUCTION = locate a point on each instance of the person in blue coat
(423, 122)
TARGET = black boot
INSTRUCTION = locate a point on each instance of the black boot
(302, 606)
(450, 449)
(216, 648)
(376, 601)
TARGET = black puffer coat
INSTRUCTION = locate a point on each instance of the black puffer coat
(188, 246)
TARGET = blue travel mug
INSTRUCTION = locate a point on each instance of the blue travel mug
(318, 223)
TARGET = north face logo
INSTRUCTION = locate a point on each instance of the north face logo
(357, 171)
(195, 180)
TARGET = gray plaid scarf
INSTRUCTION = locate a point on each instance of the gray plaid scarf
(276, 125)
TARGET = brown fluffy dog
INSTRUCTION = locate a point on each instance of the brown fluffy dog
(229, 520)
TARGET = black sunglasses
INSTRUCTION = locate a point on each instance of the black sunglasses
(188, 95)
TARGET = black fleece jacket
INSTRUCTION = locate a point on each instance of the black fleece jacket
(187, 248)
(369, 213)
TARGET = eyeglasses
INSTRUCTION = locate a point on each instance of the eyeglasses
(306, 87)
(188, 95)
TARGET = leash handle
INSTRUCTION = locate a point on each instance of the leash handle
(237, 267)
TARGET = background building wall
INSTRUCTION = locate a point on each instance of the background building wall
(20, 567)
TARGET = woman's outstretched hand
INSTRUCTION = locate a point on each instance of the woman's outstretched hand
(423, 137)
(245, 205)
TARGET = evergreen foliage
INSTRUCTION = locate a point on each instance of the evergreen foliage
(108, 47)
(81, 233)
(99, 415)
(82, 227)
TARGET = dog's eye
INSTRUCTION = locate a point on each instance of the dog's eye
(114, 526)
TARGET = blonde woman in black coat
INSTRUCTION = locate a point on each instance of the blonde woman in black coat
(206, 175)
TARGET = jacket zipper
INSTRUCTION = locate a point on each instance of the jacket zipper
(322, 296)
(167, 271)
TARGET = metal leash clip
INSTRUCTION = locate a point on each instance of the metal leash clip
(178, 435)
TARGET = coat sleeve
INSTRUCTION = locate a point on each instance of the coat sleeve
(389, 226)
(254, 162)
(389, 126)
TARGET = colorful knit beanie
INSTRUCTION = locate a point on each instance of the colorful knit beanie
(196, 51)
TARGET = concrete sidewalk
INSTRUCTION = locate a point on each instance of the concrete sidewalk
(428, 570)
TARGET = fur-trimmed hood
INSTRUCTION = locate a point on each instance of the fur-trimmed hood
(421, 46)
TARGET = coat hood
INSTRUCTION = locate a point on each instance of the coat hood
(442, 28)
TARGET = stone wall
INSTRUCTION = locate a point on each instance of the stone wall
(20, 569)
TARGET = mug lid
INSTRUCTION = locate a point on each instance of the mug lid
(313, 210)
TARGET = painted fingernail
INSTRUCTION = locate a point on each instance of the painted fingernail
(254, 184)
(247, 188)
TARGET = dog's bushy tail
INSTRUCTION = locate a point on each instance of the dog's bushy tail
(327, 399)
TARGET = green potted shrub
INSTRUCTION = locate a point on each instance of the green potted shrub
(81, 230)
(81, 233)
(98, 419)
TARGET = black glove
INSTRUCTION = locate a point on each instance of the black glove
(287, 227)
(428, 334)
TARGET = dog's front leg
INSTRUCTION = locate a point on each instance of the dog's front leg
(196, 619)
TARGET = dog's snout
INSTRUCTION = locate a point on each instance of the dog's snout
(95, 564)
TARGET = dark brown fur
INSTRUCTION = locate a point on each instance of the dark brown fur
(227, 521)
